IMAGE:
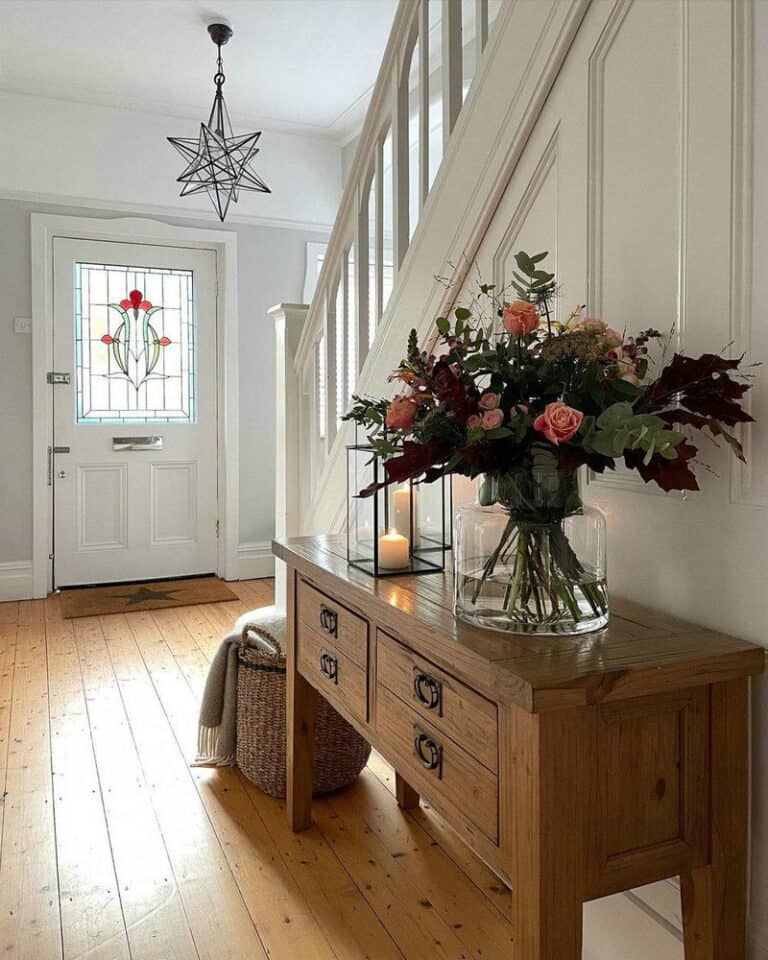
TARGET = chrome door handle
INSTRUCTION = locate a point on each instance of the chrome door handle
(61, 475)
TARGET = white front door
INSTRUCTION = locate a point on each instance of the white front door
(135, 460)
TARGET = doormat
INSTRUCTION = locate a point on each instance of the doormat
(132, 597)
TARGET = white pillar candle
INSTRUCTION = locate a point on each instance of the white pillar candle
(394, 551)
(401, 508)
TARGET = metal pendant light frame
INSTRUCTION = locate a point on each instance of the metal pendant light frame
(218, 162)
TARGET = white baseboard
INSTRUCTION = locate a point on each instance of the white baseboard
(16, 581)
(255, 560)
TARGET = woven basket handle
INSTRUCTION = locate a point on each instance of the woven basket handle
(265, 641)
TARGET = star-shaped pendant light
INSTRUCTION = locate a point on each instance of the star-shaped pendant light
(218, 161)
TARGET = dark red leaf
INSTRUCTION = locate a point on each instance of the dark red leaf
(447, 387)
(668, 474)
(702, 386)
(415, 459)
(571, 457)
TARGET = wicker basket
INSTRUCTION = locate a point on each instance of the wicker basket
(340, 752)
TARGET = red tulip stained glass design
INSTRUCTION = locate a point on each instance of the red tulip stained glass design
(135, 344)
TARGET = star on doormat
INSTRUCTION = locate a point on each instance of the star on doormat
(145, 593)
(149, 595)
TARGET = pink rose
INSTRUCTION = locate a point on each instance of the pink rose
(559, 422)
(401, 412)
(492, 419)
(520, 318)
(489, 401)
(523, 408)
(474, 422)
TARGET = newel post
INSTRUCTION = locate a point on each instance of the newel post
(289, 322)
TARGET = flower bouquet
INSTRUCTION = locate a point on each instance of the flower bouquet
(513, 396)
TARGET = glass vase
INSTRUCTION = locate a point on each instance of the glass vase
(529, 556)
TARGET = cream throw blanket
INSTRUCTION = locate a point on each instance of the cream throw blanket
(217, 734)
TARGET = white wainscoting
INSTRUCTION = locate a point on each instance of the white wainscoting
(255, 560)
(16, 581)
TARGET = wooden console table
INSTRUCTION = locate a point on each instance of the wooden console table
(576, 767)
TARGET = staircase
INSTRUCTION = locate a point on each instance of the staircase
(460, 86)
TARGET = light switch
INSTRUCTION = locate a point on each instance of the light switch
(22, 325)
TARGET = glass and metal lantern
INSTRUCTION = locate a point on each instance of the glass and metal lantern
(402, 528)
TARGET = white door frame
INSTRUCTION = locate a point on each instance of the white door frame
(46, 227)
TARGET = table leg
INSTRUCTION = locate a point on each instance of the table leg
(546, 809)
(407, 797)
(301, 700)
(714, 896)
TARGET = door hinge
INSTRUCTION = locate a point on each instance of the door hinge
(217, 529)
(55, 376)
(50, 466)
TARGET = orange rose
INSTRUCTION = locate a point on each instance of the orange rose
(520, 318)
(401, 412)
(559, 422)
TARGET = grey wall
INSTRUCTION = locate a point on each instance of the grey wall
(271, 263)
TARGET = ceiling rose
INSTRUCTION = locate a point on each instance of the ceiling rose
(218, 161)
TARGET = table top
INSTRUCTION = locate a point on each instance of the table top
(640, 652)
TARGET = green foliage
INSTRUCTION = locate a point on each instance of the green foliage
(586, 366)
(618, 428)
(537, 286)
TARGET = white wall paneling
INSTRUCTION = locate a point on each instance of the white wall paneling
(632, 145)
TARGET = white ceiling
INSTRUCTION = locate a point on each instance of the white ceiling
(301, 66)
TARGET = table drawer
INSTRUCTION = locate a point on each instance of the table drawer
(346, 630)
(437, 766)
(448, 705)
(341, 681)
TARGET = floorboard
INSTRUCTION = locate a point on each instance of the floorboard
(112, 847)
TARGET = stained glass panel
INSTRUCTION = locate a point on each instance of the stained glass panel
(134, 344)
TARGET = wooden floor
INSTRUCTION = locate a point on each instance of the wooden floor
(113, 848)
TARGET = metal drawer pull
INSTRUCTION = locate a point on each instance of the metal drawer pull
(329, 620)
(329, 666)
(429, 751)
(427, 691)
(137, 443)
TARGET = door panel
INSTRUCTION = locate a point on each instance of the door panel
(174, 502)
(102, 506)
(136, 495)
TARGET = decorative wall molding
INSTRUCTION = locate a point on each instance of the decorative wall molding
(544, 167)
(255, 560)
(623, 479)
(16, 581)
(742, 229)
(595, 126)
(155, 210)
